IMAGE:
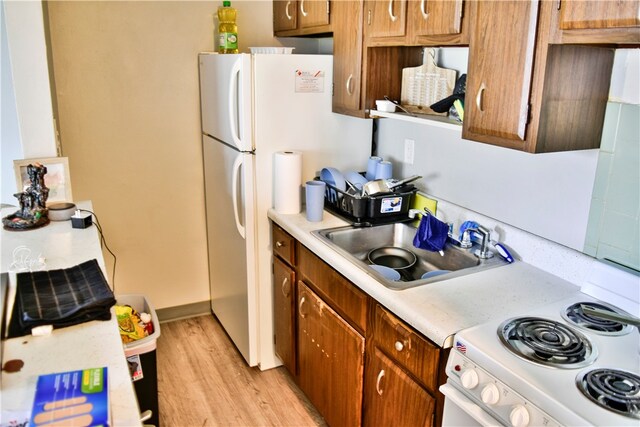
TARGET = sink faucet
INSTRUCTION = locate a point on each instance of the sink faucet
(483, 252)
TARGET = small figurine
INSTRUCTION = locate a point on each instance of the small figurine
(33, 202)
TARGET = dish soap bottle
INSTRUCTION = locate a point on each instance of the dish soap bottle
(227, 28)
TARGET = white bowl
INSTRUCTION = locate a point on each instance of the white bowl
(386, 106)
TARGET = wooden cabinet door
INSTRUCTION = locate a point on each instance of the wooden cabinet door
(313, 13)
(501, 53)
(347, 55)
(284, 313)
(392, 398)
(434, 17)
(592, 14)
(285, 15)
(330, 360)
(386, 18)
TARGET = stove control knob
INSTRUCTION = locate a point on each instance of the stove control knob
(519, 416)
(469, 379)
(490, 394)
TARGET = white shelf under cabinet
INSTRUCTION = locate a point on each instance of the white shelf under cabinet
(440, 121)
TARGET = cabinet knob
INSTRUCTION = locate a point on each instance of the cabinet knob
(399, 346)
(378, 381)
(391, 15)
(279, 244)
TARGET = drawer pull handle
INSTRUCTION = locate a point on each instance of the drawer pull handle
(479, 97)
(285, 288)
(391, 15)
(304, 13)
(302, 301)
(378, 381)
(286, 11)
(399, 346)
(279, 244)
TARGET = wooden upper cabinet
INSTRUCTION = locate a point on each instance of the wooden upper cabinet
(347, 56)
(285, 15)
(434, 17)
(501, 53)
(578, 14)
(313, 13)
(385, 18)
(598, 22)
(301, 18)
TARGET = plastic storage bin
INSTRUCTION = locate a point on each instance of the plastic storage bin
(141, 357)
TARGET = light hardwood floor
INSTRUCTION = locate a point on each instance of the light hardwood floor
(204, 381)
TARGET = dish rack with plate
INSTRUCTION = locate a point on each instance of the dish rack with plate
(365, 211)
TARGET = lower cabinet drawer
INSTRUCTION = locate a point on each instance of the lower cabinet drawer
(413, 352)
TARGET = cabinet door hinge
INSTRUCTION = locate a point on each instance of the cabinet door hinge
(528, 113)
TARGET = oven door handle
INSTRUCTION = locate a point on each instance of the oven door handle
(467, 406)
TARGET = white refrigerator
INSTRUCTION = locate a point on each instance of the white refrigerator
(253, 106)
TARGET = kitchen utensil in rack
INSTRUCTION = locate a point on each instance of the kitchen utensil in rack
(426, 84)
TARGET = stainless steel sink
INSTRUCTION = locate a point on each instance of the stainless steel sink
(355, 243)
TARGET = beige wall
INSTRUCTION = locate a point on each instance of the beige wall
(127, 89)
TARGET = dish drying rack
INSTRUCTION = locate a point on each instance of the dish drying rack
(365, 211)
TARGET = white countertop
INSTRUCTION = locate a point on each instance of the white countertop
(439, 310)
(89, 345)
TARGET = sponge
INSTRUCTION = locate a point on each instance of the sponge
(421, 201)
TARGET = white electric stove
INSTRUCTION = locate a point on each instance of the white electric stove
(552, 365)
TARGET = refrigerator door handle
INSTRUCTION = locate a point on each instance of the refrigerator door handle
(237, 164)
(234, 100)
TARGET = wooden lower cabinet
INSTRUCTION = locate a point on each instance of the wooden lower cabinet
(330, 360)
(392, 397)
(335, 340)
(284, 301)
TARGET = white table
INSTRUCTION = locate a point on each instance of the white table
(89, 345)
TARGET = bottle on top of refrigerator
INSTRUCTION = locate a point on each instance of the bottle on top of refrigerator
(227, 28)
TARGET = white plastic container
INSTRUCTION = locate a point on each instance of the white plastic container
(141, 305)
(386, 106)
(279, 49)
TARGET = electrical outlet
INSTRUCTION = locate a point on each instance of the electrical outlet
(409, 146)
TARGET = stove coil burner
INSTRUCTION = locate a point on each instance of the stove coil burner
(575, 315)
(615, 390)
(547, 342)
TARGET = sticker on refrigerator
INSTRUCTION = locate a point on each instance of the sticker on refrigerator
(135, 367)
(309, 81)
(391, 204)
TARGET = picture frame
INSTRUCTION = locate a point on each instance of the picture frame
(57, 179)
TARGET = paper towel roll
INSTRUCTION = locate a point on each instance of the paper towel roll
(287, 182)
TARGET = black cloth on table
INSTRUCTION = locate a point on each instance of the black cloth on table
(60, 298)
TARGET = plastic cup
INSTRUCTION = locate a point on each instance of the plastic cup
(314, 194)
(384, 170)
(371, 167)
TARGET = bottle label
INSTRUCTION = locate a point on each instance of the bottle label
(228, 41)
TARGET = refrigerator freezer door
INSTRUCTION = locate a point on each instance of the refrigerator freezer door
(229, 187)
(225, 96)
